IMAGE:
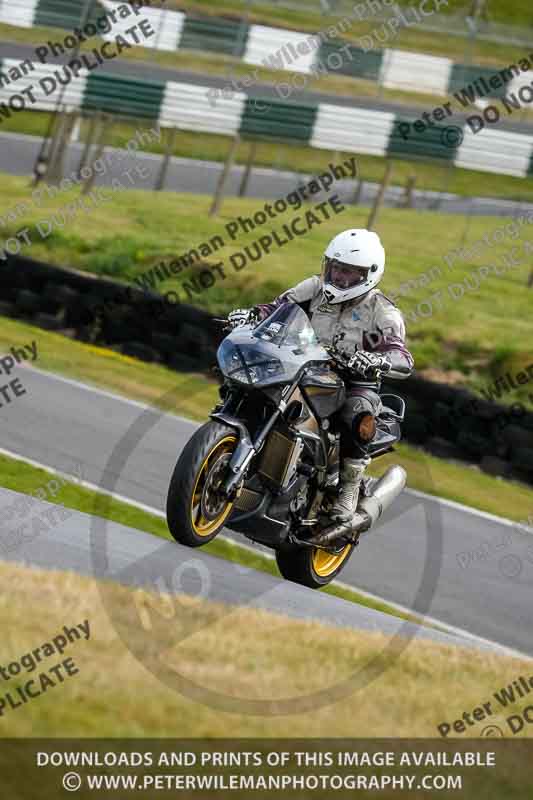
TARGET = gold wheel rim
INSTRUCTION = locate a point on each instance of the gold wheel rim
(202, 526)
(325, 564)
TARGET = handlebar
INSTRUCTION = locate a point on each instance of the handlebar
(224, 323)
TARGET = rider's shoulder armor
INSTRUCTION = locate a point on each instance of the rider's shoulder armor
(384, 297)
(384, 305)
(304, 291)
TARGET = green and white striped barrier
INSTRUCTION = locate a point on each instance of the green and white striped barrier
(323, 125)
(283, 50)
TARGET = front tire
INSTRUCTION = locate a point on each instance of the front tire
(196, 512)
(312, 567)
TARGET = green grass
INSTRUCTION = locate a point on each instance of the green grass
(130, 681)
(193, 396)
(512, 12)
(27, 479)
(491, 326)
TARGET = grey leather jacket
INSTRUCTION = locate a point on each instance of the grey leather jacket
(371, 322)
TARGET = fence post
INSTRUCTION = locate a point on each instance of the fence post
(107, 122)
(468, 222)
(248, 169)
(95, 119)
(409, 192)
(358, 192)
(42, 162)
(76, 129)
(54, 172)
(169, 149)
(224, 175)
(378, 202)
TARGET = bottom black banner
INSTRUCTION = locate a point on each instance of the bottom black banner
(490, 768)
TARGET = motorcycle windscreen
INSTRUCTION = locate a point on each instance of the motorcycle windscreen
(274, 351)
(288, 326)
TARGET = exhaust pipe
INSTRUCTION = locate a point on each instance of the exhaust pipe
(384, 493)
(370, 509)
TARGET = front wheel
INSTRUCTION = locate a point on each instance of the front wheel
(196, 508)
(311, 566)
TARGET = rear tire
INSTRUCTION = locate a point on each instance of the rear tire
(312, 567)
(195, 512)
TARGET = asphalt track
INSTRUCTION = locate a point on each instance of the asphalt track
(412, 558)
(139, 559)
(18, 153)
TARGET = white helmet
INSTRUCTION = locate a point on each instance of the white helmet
(354, 262)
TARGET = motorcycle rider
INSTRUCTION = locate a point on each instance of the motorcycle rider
(344, 300)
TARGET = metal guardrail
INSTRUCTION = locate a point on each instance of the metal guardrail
(322, 125)
(259, 45)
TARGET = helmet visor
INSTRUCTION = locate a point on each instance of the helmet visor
(344, 276)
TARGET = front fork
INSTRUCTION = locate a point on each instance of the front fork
(243, 454)
(246, 449)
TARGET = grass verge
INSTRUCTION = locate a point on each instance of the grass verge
(27, 479)
(240, 653)
(151, 384)
(491, 330)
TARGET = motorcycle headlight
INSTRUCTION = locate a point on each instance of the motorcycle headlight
(240, 375)
(248, 364)
(266, 370)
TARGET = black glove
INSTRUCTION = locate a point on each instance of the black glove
(369, 365)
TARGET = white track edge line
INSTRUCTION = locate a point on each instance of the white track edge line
(446, 628)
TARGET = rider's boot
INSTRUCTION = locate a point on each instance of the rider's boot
(345, 505)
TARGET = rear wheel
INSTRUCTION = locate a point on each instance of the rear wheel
(196, 508)
(312, 567)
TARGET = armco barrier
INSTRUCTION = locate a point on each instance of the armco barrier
(275, 48)
(321, 125)
(447, 421)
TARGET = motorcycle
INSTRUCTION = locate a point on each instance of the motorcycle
(267, 463)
